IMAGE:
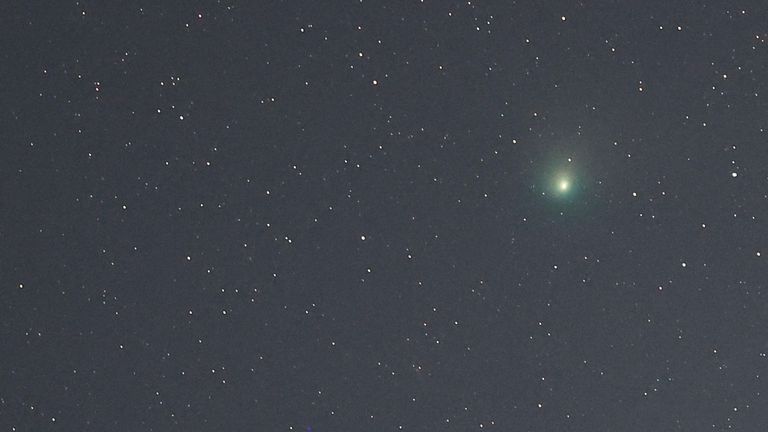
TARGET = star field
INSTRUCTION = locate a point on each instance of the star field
(384, 216)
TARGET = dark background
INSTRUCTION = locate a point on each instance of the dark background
(336, 215)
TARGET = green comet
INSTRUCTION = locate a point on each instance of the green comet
(561, 185)
(560, 179)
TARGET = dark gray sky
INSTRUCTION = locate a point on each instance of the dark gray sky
(384, 216)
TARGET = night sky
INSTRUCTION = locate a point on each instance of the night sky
(384, 216)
